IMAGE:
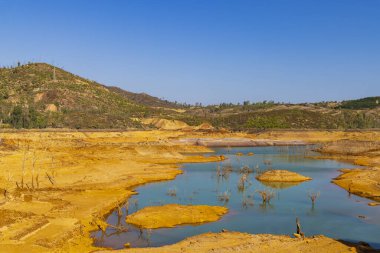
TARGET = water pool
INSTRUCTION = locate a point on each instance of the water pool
(335, 213)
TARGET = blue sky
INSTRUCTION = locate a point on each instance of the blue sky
(207, 51)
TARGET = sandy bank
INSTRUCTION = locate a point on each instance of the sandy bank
(173, 214)
(244, 243)
(364, 182)
(282, 176)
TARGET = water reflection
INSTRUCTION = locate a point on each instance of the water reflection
(279, 185)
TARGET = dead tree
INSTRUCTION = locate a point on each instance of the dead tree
(313, 197)
(299, 231)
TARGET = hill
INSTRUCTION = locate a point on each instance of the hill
(39, 95)
(268, 115)
(144, 99)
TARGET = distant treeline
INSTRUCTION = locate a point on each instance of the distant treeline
(363, 103)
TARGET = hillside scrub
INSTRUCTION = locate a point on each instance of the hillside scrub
(39, 95)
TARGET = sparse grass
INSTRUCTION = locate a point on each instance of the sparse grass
(267, 162)
(224, 172)
(266, 196)
(247, 201)
(225, 196)
(243, 181)
(245, 170)
(172, 192)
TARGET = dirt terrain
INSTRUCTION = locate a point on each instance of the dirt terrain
(172, 215)
(281, 176)
(362, 181)
(58, 186)
(247, 243)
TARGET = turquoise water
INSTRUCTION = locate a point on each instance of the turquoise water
(335, 213)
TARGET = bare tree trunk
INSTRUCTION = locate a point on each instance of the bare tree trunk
(298, 226)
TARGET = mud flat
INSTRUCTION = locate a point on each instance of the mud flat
(260, 243)
(173, 214)
(282, 176)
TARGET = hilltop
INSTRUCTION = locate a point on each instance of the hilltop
(39, 95)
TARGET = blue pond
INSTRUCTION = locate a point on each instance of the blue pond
(334, 214)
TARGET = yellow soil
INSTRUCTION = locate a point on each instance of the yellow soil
(82, 176)
(246, 243)
(281, 176)
(319, 136)
(92, 174)
(173, 214)
(165, 124)
(363, 182)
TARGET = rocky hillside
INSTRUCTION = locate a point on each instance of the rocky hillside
(39, 95)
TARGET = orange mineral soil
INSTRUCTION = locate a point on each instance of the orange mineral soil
(58, 186)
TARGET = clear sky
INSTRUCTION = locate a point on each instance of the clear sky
(207, 51)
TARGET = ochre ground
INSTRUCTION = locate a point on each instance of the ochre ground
(364, 182)
(79, 177)
(173, 214)
(281, 176)
(246, 243)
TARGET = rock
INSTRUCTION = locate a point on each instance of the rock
(51, 108)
